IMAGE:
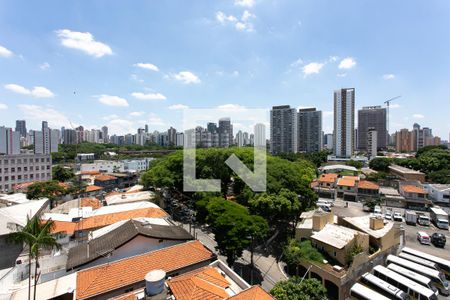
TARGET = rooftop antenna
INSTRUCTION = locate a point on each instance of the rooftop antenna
(387, 102)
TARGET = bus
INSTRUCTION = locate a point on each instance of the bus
(437, 277)
(419, 260)
(383, 287)
(361, 292)
(412, 288)
(443, 264)
(420, 279)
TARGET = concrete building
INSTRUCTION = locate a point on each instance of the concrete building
(439, 193)
(46, 141)
(309, 130)
(328, 141)
(9, 141)
(21, 127)
(70, 137)
(372, 142)
(259, 138)
(105, 134)
(406, 174)
(180, 139)
(283, 130)
(240, 139)
(225, 131)
(172, 136)
(344, 122)
(21, 168)
(405, 141)
(372, 117)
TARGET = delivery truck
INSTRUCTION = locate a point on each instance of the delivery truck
(411, 217)
(439, 217)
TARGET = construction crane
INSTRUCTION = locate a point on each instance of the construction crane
(387, 102)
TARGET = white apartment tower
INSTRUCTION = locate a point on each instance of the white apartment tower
(344, 122)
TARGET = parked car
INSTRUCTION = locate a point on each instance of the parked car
(388, 215)
(438, 239)
(398, 217)
(423, 238)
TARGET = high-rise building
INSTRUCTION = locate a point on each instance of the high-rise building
(372, 142)
(225, 132)
(146, 128)
(9, 141)
(309, 130)
(212, 127)
(259, 138)
(328, 141)
(172, 136)
(372, 117)
(80, 134)
(21, 128)
(344, 122)
(283, 130)
(405, 140)
(70, 137)
(46, 141)
(240, 139)
(105, 135)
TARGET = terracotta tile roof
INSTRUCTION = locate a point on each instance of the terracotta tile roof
(328, 178)
(108, 219)
(92, 202)
(105, 177)
(201, 284)
(93, 188)
(412, 189)
(365, 184)
(108, 277)
(253, 293)
(93, 172)
(347, 181)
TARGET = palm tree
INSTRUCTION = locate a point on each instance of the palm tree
(37, 236)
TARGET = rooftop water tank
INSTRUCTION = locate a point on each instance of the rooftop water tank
(154, 282)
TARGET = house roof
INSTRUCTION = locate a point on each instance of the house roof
(105, 177)
(90, 172)
(368, 185)
(408, 188)
(76, 203)
(335, 235)
(347, 181)
(363, 223)
(98, 221)
(108, 277)
(328, 178)
(85, 253)
(201, 284)
(253, 293)
(93, 188)
(17, 214)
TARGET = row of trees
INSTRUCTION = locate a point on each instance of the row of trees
(434, 161)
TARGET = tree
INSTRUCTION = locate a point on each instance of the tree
(234, 228)
(296, 252)
(355, 163)
(297, 289)
(62, 174)
(380, 164)
(46, 189)
(36, 235)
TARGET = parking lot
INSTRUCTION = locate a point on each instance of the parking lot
(354, 209)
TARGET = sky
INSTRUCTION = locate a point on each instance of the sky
(128, 63)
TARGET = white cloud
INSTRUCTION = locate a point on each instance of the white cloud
(231, 107)
(155, 120)
(178, 107)
(242, 24)
(112, 100)
(121, 126)
(333, 58)
(149, 96)
(37, 91)
(3, 106)
(39, 113)
(83, 41)
(44, 66)
(312, 68)
(4, 52)
(187, 77)
(147, 66)
(347, 63)
(110, 117)
(418, 116)
(388, 76)
(223, 18)
(136, 113)
(245, 3)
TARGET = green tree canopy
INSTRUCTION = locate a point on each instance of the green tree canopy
(380, 164)
(62, 174)
(46, 189)
(296, 289)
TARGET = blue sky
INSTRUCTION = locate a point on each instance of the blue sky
(128, 63)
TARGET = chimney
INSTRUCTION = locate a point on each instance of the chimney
(376, 223)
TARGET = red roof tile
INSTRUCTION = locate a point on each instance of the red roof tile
(253, 293)
(108, 277)
(364, 184)
(328, 178)
(105, 177)
(93, 188)
(412, 189)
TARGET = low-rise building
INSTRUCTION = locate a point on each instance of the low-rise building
(415, 195)
(438, 193)
(22, 168)
(128, 197)
(347, 187)
(367, 190)
(403, 173)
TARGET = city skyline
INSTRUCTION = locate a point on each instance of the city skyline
(90, 71)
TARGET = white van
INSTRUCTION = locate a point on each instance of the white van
(423, 238)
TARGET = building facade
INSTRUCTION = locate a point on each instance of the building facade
(372, 117)
(372, 142)
(9, 141)
(21, 168)
(344, 122)
(309, 130)
(21, 127)
(283, 130)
